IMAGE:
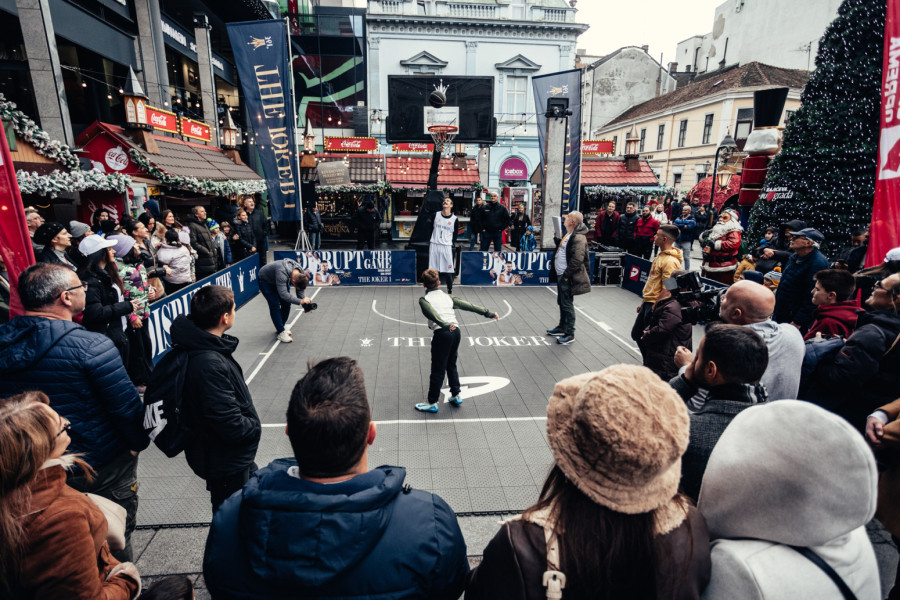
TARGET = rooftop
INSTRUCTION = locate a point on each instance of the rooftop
(402, 170)
(364, 168)
(611, 172)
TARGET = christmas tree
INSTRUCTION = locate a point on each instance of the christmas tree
(828, 159)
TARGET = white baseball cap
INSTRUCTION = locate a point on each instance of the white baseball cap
(94, 243)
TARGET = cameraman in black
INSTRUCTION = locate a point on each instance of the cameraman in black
(276, 281)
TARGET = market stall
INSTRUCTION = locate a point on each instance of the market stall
(362, 179)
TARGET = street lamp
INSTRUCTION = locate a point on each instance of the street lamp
(723, 176)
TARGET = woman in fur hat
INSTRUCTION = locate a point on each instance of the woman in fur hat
(52, 538)
(721, 246)
(609, 522)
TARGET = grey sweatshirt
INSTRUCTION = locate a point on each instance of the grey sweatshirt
(786, 350)
(278, 274)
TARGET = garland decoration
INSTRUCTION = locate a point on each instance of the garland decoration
(29, 131)
(597, 190)
(71, 181)
(207, 187)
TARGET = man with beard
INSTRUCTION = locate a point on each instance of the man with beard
(645, 229)
(625, 229)
(720, 247)
(606, 225)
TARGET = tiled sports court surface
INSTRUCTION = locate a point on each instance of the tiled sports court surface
(489, 455)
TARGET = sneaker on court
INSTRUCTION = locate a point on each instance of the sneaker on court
(565, 340)
(285, 337)
(456, 401)
(556, 332)
(427, 407)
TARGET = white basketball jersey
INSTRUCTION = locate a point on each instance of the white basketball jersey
(443, 229)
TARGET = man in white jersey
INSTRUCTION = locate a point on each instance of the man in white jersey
(439, 308)
(443, 241)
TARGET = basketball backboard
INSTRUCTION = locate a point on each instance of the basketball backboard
(470, 106)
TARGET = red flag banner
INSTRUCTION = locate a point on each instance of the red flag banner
(15, 243)
(885, 230)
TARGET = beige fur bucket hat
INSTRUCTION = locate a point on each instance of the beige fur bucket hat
(619, 435)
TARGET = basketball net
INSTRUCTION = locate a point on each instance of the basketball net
(442, 135)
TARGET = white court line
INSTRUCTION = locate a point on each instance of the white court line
(375, 310)
(432, 422)
(277, 343)
(606, 328)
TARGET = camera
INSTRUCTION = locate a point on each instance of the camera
(698, 302)
(309, 307)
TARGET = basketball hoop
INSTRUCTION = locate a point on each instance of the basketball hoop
(442, 135)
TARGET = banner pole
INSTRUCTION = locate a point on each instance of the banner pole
(302, 241)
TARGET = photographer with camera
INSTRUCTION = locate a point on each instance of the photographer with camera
(664, 265)
(276, 280)
(665, 332)
(750, 305)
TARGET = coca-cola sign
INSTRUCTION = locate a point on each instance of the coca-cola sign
(195, 129)
(597, 147)
(514, 169)
(351, 144)
(116, 158)
(414, 147)
(162, 120)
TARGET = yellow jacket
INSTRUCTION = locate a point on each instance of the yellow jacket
(666, 263)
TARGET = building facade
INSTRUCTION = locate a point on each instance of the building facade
(512, 41)
(679, 132)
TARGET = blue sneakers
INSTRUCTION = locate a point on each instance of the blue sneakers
(556, 332)
(565, 340)
(456, 400)
(427, 407)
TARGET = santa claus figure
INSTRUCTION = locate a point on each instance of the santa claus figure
(720, 247)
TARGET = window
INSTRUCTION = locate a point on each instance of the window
(743, 126)
(659, 136)
(643, 137)
(707, 128)
(682, 133)
(515, 96)
(615, 143)
(788, 115)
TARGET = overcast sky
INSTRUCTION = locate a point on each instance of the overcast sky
(661, 24)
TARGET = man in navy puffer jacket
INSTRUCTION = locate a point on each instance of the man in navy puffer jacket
(324, 526)
(83, 374)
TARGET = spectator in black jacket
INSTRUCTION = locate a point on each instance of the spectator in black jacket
(664, 333)
(606, 225)
(218, 404)
(366, 221)
(495, 218)
(314, 225)
(779, 250)
(105, 308)
(519, 223)
(243, 241)
(625, 228)
(260, 224)
(54, 241)
(84, 377)
(475, 222)
(202, 243)
(793, 298)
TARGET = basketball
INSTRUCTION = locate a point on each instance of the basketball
(437, 99)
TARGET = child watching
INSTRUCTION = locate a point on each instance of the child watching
(836, 308)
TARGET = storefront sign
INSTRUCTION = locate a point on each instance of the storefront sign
(195, 129)
(597, 147)
(116, 159)
(513, 169)
(413, 147)
(162, 120)
(262, 58)
(507, 268)
(333, 173)
(356, 267)
(108, 155)
(351, 144)
(240, 278)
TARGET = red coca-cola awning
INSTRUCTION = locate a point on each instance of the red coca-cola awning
(413, 172)
(701, 191)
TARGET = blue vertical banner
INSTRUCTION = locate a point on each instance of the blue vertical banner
(565, 84)
(262, 57)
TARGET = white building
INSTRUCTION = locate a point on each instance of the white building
(780, 33)
(511, 40)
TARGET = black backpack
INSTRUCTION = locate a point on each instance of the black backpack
(165, 419)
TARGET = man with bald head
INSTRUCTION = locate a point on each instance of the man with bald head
(750, 304)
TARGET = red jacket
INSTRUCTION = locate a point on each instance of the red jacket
(834, 319)
(601, 218)
(646, 227)
(726, 255)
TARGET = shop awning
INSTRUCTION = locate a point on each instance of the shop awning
(405, 171)
(364, 168)
(611, 172)
(701, 191)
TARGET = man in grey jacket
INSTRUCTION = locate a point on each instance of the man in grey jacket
(276, 281)
(750, 304)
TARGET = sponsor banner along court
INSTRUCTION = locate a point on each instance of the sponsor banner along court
(508, 268)
(355, 267)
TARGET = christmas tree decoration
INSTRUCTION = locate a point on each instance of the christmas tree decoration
(825, 173)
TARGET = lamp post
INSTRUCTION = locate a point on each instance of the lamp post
(728, 145)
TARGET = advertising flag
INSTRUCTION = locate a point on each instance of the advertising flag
(884, 234)
(15, 243)
(565, 84)
(262, 57)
